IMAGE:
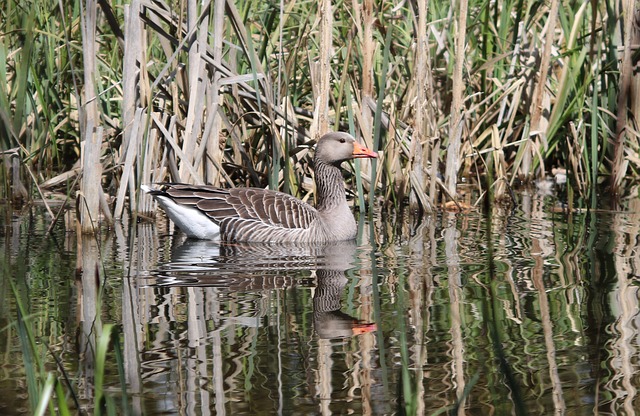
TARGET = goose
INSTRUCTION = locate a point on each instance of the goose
(266, 216)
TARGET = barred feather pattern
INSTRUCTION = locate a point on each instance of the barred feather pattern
(260, 215)
(331, 189)
(251, 214)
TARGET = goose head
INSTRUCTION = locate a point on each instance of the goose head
(336, 147)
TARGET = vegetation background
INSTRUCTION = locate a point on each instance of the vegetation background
(98, 97)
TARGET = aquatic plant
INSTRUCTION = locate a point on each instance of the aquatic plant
(236, 94)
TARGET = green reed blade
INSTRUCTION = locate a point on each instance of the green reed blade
(45, 395)
(63, 407)
(377, 126)
(22, 92)
(32, 364)
(101, 357)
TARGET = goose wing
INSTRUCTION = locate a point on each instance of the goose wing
(246, 210)
(254, 204)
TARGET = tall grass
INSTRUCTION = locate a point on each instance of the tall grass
(234, 94)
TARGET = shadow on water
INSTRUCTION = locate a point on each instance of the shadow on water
(533, 312)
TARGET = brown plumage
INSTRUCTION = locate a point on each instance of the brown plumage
(261, 215)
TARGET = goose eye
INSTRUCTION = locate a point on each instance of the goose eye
(342, 140)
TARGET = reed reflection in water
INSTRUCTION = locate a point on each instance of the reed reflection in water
(235, 298)
(535, 312)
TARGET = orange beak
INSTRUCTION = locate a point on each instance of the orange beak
(360, 151)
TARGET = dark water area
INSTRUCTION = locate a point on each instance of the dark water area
(535, 312)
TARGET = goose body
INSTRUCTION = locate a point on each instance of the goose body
(262, 215)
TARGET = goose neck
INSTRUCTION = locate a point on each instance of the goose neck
(329, 186)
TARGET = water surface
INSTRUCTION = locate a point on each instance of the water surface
(535, 312)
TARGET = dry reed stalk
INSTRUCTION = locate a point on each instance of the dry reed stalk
(92, 141)
(500, 165)
(130, 72)
(127, 179)
(628, 93)
(152, 162)
(213, 128)
(457, 103)
(11, 167)
(90, 187)
(364, 18)
(368, 86)
(635, 84)
(320, 124)
(576, 153)
(130, 117)
(199, 84)
(541, 99)
(420, 148)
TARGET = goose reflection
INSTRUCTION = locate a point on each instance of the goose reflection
(258, 267)
(328, 319)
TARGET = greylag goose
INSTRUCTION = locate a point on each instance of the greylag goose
(261, 215)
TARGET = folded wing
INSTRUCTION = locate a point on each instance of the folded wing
(248, 214)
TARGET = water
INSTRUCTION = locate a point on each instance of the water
(535, 313)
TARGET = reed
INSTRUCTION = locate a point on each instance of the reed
(457, 105)
(233, 94)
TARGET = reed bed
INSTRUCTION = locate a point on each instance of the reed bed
(99, 97)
